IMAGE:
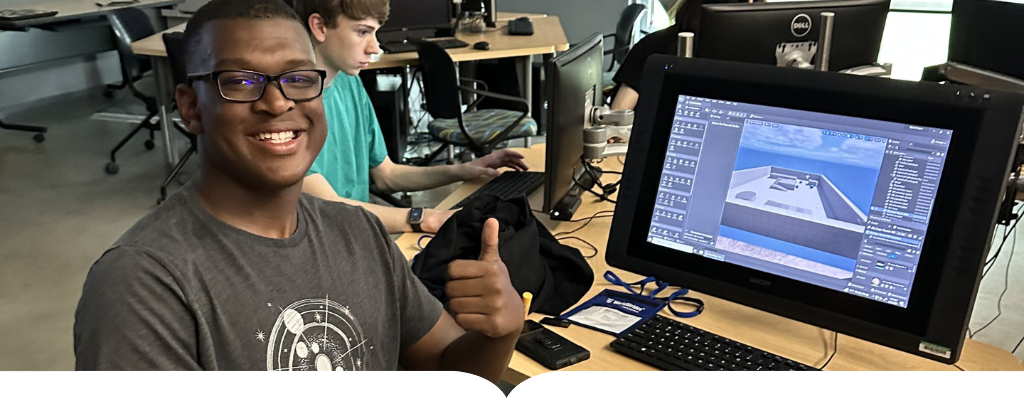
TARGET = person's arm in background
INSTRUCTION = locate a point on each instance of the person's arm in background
(396, 220)
(390, 177)
(625, 98)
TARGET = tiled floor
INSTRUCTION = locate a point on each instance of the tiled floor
(61, 210)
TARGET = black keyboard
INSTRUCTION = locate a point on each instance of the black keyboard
(407, 46)
(508, 185)
(676, 346)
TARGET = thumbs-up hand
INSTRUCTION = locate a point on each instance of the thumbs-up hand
(481, 296)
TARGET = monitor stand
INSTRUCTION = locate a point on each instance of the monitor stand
(566, 208)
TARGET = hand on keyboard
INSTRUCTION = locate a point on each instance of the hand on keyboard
(489, 165)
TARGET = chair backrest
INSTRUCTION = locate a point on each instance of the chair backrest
(175, 44)
(626, 30)
(440, 82)
(130, 25)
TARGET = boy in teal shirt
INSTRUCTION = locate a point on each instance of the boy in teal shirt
(344, 39)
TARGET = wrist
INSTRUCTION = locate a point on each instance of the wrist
(432, 220)
(464, 171)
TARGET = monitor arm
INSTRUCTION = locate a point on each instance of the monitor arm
(970, 75)
(616, 125)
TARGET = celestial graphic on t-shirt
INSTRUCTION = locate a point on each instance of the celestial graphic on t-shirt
(316, 335)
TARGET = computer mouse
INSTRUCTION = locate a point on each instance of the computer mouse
(482, 46)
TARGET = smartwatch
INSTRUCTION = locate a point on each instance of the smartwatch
(416, 218)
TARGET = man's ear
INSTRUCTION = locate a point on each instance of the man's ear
(188, 107)
(317, 27)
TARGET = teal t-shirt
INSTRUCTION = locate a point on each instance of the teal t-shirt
(354, 143)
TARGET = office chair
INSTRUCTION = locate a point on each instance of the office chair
(480, 131)
(175, 45)
(130, 25)
(625, 37)
(40, 132)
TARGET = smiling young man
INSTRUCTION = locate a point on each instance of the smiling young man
(242, 271)
(344, 38)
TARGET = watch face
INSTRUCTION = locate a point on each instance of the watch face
(415, 214)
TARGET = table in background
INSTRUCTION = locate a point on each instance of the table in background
(73, 10)
(548, 39)
(782, 336)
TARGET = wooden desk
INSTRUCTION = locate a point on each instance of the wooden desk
(785, 337)
(548, 39)
(73, 10)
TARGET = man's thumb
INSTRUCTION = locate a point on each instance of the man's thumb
(489, 241)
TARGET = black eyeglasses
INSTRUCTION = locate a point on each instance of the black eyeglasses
(248, 86)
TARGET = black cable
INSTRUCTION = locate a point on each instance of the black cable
(598, 215)
(1014, 351)
(606, 190)
(1006, 286)
(594, 248)
(600, 196)
(958, 367)
(835, 348)
(1007, 232)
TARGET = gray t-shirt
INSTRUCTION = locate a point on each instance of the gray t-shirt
(184, 290)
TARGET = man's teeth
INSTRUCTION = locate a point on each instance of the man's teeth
(276, 137)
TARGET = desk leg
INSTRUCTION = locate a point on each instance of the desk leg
(525, 71)
(162, 72)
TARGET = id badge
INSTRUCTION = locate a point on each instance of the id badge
(613, 312)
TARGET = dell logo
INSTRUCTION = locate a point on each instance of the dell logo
(801, 25)
(760, 282)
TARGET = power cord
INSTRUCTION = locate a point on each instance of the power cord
(1007, 232)
(560, 236)
(835, 348)
(606, 189)
(590, 245)
(1014, 351)
(1006, 283)
(958, 367)
(599, 215)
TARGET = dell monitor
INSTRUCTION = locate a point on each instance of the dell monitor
(417, 16)
(987, 34)
(860, 205)
(574, 88)
(754, 32)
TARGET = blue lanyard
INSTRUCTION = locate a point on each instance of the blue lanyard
(679, 295)
(419, 242)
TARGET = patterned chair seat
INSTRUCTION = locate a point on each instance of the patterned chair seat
(483, 125)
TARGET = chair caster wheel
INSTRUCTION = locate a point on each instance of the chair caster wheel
(39, 138)
(112, 168)
(150, 145)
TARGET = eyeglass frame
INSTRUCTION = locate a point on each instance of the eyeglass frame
(275, 79)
